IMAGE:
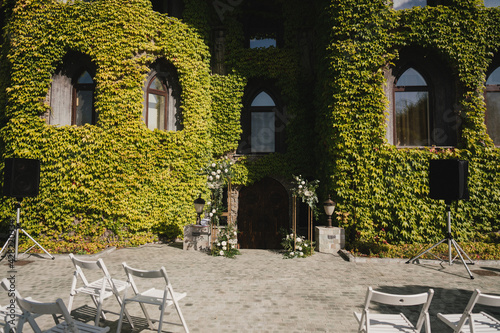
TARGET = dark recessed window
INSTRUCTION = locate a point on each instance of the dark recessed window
(263, 126)
(162, 98)
(172, 8)
(72, 92)
(263, 23)
(492, 97)
(423, 100)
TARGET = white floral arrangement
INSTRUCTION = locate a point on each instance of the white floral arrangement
(218, 174)
(306, 190)
(226, 244)
(296, 246)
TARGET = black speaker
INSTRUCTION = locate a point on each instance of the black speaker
(448, 179)
(21, 177)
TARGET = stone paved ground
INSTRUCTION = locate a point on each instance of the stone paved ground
(259, 291)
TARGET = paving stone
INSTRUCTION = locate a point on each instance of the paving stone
(259, 291)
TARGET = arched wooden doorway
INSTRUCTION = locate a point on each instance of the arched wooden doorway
(263, 211)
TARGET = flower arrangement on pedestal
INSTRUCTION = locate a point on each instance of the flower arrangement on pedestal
(227, 243)
(296, 246)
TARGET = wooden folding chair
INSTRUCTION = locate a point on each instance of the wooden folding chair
(474, 322)
(29, 308)
(98, 290)
(160, 297)
(381, 322)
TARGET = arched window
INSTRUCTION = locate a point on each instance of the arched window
(492, 97)
(161, 96)
(72, 92)
(423, 108)
(411, 97)
(263, 126)
(156, 116)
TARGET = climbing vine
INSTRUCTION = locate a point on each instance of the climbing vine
(119, 183)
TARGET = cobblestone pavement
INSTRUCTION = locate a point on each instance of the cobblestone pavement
(259, 291)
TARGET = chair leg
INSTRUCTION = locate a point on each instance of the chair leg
(119, 328)
(179, 312)
(146, 314)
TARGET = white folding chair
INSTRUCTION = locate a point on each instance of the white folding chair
(378, 322)
(474, 322)
(30, 307)
(10, 313)
(160, 297)
(98, 290)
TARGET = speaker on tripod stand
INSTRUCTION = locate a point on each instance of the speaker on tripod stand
(448, 182)
(21, 180)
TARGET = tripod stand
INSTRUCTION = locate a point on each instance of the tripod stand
(451, 242)
(14, 235)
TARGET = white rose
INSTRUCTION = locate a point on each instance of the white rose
(226, 170)
(292, 254)
(213, 165)
(224, 248)
(235, 233)
(210, 178)
(217, 177)
(301, 254)
(221, 253)
(303, 182)
(218, 170)
(308, 193)
(305, 244)
(211, 214)
(224, 243)
(299, 248)
(300, 186)
(299, 240)
(218, 243)
(213, 173)
(214, 210)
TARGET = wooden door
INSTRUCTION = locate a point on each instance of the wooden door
(263, 210)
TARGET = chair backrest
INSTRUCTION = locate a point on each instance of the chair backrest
(146, 274)
(423, 299)
(29, 307)
(81, 265)
(488, 300)
(477, 298)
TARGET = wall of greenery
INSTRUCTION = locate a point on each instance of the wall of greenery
(118, 183)
(383, 191)
(115, 183)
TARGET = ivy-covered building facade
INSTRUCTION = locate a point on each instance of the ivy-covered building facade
(125, 102)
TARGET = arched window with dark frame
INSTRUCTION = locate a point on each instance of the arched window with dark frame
(72, 92)
(411, 99)
(423, 101)
(157, 98)
(263, 125)
(162, 98)
(492, 98)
